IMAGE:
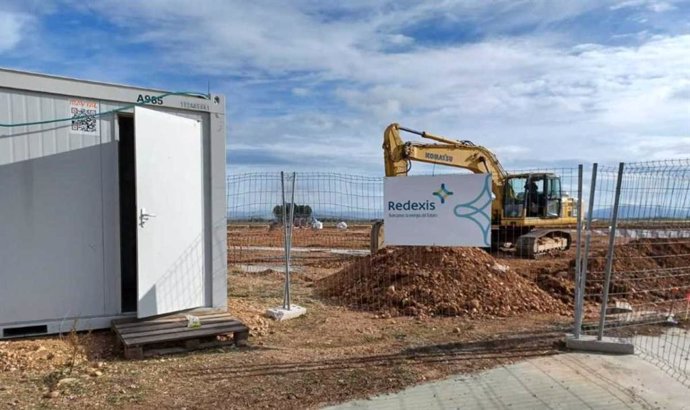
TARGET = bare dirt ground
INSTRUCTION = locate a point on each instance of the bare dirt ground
(331, 355)
(355, 237)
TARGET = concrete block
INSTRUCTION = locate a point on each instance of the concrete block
(619, 307)
(281, 314)
(605, 345)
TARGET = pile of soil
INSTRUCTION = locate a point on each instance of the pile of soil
(650, 270)
(558, 282)
(420, 281)
(644, 269)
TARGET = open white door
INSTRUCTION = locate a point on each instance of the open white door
(169, 176)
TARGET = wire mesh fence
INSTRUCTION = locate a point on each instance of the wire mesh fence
(338, 246)
(639, 233)
(638, 265)
(253, 234)
(331, 225)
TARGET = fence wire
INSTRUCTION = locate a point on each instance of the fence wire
(332, 222)
(649, 289)
(336, 222)
(335, 232)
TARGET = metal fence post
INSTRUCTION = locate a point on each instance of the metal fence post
(578, 272)
(588, 240)
(285, 239)
(609, 256)
(289, 244)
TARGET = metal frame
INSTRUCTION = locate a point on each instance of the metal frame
(49, 84)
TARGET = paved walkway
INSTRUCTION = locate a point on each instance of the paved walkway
(566, 381)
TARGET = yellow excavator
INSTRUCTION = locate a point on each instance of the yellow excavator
(530, 215)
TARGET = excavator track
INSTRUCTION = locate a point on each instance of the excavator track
(541, 242)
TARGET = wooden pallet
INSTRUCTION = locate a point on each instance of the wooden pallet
(170, 334)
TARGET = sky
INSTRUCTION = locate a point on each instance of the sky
(311, 85)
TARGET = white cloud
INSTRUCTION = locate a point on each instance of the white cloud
(653, 5)
(300, 91)
(12, 27)
(661, 6)
(541, 96)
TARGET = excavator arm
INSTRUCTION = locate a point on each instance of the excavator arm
(460, 154)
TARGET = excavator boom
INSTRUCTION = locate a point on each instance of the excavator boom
(460, 154)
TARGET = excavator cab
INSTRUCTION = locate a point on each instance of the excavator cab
(533, 195)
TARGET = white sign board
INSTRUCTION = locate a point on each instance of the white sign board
(440, 210)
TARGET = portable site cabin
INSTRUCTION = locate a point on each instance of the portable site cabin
(112, 203)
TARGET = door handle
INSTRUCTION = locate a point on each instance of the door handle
(144, 217)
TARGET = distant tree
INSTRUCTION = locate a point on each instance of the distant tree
(301, 211)
(278, 212)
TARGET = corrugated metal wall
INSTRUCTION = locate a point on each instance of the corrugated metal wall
(29, 142)
(52, 241)
(59, 211)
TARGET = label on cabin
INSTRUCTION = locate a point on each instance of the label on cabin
(149, 99)
(84, 114)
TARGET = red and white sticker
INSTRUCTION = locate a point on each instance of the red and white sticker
(84, 115)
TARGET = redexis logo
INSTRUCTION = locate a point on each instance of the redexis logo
(411, 206)
(443, 193)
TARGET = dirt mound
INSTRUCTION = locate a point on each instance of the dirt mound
(423, 281)
(559, 284)
(646, 269)
(643, 254)
(650, 270)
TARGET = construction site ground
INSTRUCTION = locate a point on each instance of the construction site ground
(332, 355)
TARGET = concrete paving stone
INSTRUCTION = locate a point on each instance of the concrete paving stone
(566, 381)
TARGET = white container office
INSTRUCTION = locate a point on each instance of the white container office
(112, 203)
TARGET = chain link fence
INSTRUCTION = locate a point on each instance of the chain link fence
(636, 263)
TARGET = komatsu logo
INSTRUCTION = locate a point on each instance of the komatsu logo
(438, 157)
(411, 206)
